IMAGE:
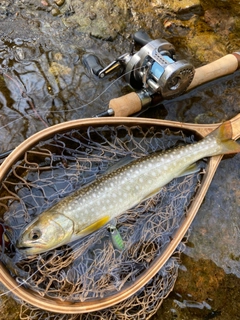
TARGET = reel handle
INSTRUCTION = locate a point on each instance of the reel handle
(132, 103)
(142, 37)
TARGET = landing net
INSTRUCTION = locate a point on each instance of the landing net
(92, 268)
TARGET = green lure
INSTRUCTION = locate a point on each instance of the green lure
(116, 238)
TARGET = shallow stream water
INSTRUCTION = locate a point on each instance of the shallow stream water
(43, 82)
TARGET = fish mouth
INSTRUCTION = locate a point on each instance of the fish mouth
(23, 247)
(25, 251)
(28, 250)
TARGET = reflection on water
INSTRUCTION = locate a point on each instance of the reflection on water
(41, 88)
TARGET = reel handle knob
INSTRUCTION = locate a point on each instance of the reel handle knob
(92, 63)
(142, 37)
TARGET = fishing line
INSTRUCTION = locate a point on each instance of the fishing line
(25, 281)
(39, 114)
(61, 111)
(41, 258)
(67, 266)
(23, 92)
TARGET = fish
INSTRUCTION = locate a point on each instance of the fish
(109, 195)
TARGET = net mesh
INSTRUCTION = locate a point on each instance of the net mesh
(92, 268)
(140, 306)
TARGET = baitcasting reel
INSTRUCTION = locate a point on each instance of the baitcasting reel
(151, 71)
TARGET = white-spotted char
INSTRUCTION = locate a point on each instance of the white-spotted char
(91, 207)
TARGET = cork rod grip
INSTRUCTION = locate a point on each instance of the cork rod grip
(131, 103)
(216, 69)
(126, 105)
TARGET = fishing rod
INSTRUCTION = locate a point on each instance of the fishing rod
(155, 75)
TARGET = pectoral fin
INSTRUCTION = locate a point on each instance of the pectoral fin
(94, 226)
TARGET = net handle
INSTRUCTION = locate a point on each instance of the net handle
(130, 103)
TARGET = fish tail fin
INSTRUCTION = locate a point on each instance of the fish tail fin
(223, 134)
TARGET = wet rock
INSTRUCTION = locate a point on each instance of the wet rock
(101, 19)
(55, 12)
(202, 291)
(218, 219)
(179, 6)
(232, 6)
(58, 69)
(219, 20)
(207, 47)
(92, 15)
(59, 2)
(10, 309)
(224, 18)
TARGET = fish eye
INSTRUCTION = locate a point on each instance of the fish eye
(35, 234)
